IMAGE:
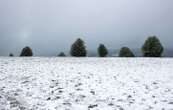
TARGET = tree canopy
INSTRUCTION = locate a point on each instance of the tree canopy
(126, 52)
(27, 51)
(152, 47)
(102, 50)
(78, 48)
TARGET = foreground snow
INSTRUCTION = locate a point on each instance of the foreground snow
(86, 84)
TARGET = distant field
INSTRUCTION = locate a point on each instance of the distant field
(86, 84)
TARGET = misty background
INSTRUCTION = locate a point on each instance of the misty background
(51, 26)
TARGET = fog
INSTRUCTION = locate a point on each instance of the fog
(51, 26)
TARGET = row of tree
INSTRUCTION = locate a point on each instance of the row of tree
(151, 48)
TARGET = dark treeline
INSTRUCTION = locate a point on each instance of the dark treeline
(152, 47)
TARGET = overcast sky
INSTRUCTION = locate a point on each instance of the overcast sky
(50, 26)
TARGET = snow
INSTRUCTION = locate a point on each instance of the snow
(86, 83)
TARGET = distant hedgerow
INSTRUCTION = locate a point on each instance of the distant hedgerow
(11, 55)
(62, 54)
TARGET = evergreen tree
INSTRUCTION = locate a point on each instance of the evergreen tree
(102, 50)
(62, 54)
(27, 51)
(78, 48)
(152, 47)
(126, 52)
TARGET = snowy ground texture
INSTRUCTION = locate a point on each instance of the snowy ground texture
(86, 84)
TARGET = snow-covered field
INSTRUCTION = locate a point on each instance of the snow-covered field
(86, 84)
